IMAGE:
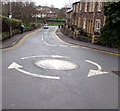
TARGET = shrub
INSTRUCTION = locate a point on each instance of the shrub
(55, 20)
(6, 22)
(110, 33)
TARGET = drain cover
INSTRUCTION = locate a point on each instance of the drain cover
(56, 64)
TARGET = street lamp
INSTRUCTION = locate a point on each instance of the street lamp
(10, 16)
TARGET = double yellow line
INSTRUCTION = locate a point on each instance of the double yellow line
(20, 41)
(94, 49)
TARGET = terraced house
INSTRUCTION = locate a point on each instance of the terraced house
(85, 20)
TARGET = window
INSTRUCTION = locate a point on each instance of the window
(97, 25)
(79, 22)
(85, 6)
(91, 6)
(80, 6)
(99, 7)
(76, 22)
(84, 23)
(74, 8)
(77, 7)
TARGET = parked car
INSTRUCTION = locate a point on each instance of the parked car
(45, 26)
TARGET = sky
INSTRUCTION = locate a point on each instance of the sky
(55, 3)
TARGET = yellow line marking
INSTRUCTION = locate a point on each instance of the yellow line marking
(98, 50)
(21, 41)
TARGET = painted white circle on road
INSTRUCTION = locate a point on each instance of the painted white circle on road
(56, 64)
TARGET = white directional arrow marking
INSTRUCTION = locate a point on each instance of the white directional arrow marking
(95, 72)
(17, 67)
(14, 65)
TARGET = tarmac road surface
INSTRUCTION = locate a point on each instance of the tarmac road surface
(41, 72)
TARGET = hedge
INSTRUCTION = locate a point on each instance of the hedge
(7, 22)
(5, 35)
(55, 20)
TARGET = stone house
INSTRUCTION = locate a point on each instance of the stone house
(88, 17)
(52, 14)
(45, 11)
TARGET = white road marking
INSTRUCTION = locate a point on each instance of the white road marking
(47, 43)
(63, 45)
(13, 43)
(56, 64)
(95, 72)
(17, 67)
(48, 56)
(85, 47)
(42, 39)
(75, 46)
(14, 65)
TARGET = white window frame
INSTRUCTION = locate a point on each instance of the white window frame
(84, 23)
(80, 6)
(97, 25)
(86, 6)
(77, 7)
(91, 6)
(79, 22)
(99, 7)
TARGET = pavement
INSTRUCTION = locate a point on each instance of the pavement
(13, 40)
(96, 47)
(16, 38)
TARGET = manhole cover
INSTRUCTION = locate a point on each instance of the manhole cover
(56, 64)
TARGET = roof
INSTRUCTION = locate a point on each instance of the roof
(70, 10)
(76, 2)
(51, 12)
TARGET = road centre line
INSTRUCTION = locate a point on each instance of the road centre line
(47, 43)
(52, 44)
(21, 41)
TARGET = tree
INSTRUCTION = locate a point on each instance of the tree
(110, 33)
(20, 10)
(62, 13)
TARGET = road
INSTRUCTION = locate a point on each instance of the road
(41, 72)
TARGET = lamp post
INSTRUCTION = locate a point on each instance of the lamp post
(10, 16)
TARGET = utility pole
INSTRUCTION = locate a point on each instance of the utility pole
(10, 16)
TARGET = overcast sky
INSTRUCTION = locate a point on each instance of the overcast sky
(56, 3)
